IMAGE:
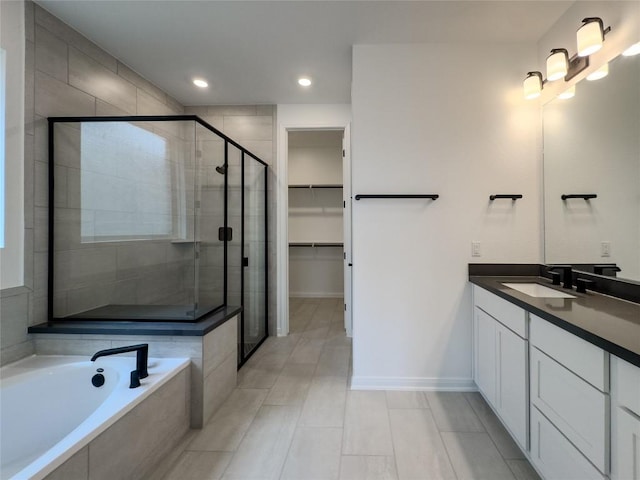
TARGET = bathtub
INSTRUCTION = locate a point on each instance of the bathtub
(49, 408)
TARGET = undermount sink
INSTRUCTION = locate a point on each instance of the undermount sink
(537, 290)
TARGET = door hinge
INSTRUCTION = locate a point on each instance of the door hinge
(245, 262)
(343, 152)
(344, 255)
(344, 204)
(345, 307)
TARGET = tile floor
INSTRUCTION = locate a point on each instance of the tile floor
(292, 416)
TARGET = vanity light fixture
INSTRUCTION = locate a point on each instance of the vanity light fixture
(590, 36)
(568, 93)
(632, 50)
(304, 81)
(557, 64)
(602, 72)
(199, 82)
(532, 85)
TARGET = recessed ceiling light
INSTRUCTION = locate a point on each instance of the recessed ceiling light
(198, 82)
(304, 81)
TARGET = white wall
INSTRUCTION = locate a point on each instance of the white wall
(446, 119)
(292, 117)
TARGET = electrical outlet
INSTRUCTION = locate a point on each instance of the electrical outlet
(605, 249)
(475, 249)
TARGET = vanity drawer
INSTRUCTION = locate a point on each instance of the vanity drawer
(575, 407)
(554, 456)
(581, 357)
(510, 315)
(626, 379)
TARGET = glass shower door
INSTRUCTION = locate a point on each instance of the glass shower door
(254, 246)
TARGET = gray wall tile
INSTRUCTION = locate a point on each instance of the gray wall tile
(51, 55)
(140, 82)
(90, 76)
(56, 98)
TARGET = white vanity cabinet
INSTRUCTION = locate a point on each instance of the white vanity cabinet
(569, 404)
(501, 370)
(625, 420)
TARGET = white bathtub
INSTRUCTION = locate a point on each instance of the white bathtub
(49, 408)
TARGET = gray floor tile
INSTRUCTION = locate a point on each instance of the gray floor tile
(228, 425)
(199, 466)
(325, 403)
(334, 361)
(361, 467)
(453, 413)
(263, 450)
(366, 424)
(292, 385)
(314, 454)
(420, 453)
(307, 350)
(406, 400)
(475, 457)
(502, 439)
(522, 470)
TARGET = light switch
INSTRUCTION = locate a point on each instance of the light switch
(475, 249)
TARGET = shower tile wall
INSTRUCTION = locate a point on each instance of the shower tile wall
(60, 67)
(53, 49)
(254, 127)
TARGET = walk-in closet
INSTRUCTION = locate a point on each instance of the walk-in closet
(316, 214)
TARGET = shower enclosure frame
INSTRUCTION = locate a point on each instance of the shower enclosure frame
(52, 121)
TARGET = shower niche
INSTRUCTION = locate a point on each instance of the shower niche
(155, 219)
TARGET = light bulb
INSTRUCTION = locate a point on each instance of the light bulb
(632, 50)
(602, 72)
(569, 93)
(532, 85)
(557, 64)
(590, 36)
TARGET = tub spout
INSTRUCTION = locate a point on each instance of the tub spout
(142, 356)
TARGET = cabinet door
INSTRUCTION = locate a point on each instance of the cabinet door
(554, 456)
(626, 446)
(485, 372)
(512, 399)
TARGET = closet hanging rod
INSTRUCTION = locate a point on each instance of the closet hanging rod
(585, 196)
(321, 185)
(432, 196)
(316, 244)
(501, 195)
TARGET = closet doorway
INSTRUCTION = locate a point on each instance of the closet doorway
(319, 226)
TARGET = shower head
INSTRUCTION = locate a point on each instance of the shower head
(222, 169)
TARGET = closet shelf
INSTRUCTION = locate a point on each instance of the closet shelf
(316, 244)
(317, 185)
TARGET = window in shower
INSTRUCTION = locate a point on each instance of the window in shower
(126, 183)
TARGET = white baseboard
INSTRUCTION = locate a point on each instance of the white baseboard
(316, 294)
(414, 384)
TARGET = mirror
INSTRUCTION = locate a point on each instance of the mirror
(592, 146)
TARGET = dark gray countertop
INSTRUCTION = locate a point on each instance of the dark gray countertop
(119, 327)
(607, 322)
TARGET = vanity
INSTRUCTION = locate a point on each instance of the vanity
(561, 370)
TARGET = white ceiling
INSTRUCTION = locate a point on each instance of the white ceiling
(252, 52)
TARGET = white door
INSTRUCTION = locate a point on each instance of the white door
(346, 196)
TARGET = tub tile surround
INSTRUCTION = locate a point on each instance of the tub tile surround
(606, 321)
(157, 424)
(213, 372)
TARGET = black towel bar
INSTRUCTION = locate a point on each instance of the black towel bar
(511, 196)
(432, 196)
(585, 196)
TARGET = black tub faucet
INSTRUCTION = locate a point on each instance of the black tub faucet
(567, 274)
(142, 356)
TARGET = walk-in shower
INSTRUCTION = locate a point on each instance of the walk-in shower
(155, 219)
